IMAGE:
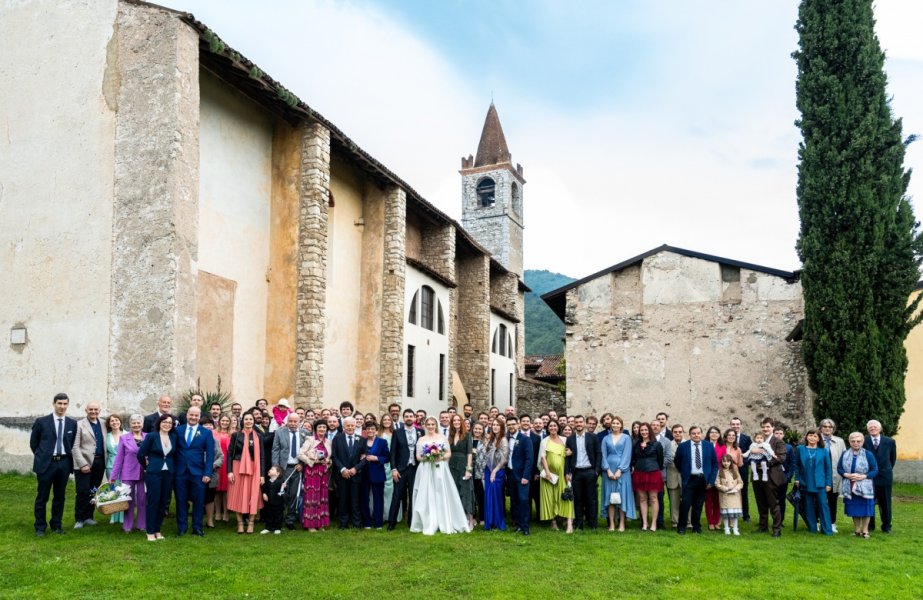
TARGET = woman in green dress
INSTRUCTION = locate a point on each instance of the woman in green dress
(461, 463)
(551, 454)
(113, 433)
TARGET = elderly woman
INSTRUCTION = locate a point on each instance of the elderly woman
(315, 454)
(127, 469)
(857, 468)
(814, 477)
(835, 446)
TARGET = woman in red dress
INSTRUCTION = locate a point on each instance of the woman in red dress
(315, 455)
(246, 473)
(712, 500)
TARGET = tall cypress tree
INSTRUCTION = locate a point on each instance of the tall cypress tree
(859, 242)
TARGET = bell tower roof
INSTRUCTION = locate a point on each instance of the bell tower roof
(492, 149)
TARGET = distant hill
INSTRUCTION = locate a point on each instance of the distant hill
(544, 331)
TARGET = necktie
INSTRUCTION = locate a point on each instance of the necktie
(188, 435)
(698, 457)
(876, 443)
(59, 445)
(294, 452)
(349, 442)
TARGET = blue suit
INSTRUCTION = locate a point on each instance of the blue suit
(373, 484)
(194, 460)
(523, 462)
(694, 486)
(813, 474)
(158, 477)
(886, 456)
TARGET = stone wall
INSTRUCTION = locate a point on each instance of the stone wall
(536, 397)
(660, 337)
(472, 338)
(152, 342)
(391, 388)
(312, 264)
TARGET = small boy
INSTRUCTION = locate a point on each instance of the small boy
(758, 457)
(273, 502)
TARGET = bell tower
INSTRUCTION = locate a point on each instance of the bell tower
(492, 196)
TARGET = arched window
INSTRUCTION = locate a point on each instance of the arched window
(427, 306)
(502, 343)
(413, 309)
(486, 190)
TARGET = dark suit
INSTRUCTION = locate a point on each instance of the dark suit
(789, 468)
(886, 457)
(151, 420)
(743, 443)
(345, 458)
(372, 486)
(694, 486)
(403, 460)
(583, 480)
(157, 479)
(535, 485)
(767, 492)
(52, 466)
(282, 456)
(193, 462)
(523, 461)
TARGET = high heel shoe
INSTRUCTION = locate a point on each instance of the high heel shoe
(250, 527)
(240, 527)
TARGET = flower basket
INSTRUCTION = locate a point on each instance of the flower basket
(110, 499)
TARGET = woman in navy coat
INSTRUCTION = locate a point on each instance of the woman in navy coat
(373, 477)
(156, 454)
(814, 477)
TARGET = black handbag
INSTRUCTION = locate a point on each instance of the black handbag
(568, 494)
(794, 497)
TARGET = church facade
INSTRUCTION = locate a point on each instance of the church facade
(171, 215)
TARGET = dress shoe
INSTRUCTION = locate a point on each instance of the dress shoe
(198, 532)
(776, 534)
(59, 531)
(390, 526)
(681, 531)
(40, 533)
(290, 526)
(525, 532)
(761, 530)
(517, 530)
(697, 531)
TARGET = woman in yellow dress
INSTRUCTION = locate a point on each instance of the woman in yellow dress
(551, 454)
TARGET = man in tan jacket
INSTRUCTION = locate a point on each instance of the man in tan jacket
(89, 454)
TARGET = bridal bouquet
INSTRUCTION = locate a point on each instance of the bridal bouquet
(433, 453)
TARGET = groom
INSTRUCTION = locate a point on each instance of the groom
(403, 468)
(521, 465)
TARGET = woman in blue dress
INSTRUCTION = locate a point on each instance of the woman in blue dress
(616, 465)
(858, 468)
(497, 453)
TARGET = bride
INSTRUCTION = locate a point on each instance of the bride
(436, 504)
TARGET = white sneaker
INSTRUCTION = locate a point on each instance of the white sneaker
(736, 532)
(78, 525)
(265, 531)
(727, 531)
(277, 532)
(90, 522)
(833, 526)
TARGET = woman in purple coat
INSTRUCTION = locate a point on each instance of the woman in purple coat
(373, 477)
(127, 469)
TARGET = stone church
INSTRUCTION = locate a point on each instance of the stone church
(169, 214)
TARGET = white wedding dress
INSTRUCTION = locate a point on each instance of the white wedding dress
(436, 505)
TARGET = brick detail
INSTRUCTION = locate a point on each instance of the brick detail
(391, 386)
(312, 265)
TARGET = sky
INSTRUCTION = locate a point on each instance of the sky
(637, 122)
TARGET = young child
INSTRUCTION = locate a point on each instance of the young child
(729, 485)
(274, 503)
(758, 456)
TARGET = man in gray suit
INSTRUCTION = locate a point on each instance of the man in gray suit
(89, 455)
(286, 443)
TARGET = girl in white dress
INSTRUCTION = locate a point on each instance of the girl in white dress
(436, 505)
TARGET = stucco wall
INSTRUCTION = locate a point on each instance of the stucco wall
(234, 219)
(428, 346)
(908, 439)
(683, 349)
(344, 285)
(56, 165)
(502, 368)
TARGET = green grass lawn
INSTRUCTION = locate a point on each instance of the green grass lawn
(104, 562)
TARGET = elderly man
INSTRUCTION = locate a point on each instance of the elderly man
(286, 443)
(89, 455)
(195, 457)
(347, 453)
(51, 442)
(885, 451)
(164, 404)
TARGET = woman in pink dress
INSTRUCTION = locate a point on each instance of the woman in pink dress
(246, 471)
(315, 455)
(712, 499)
(223, 434)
